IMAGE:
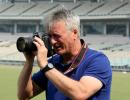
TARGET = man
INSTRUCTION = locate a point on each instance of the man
(75, 72)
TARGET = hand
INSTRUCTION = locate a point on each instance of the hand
(41, 52)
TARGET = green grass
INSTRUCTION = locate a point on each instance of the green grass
(8, 83)
(120, 86)
(9, 76)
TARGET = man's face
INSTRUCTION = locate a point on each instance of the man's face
(61, 38)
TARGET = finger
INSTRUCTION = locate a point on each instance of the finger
(38, 40)
(37, 44)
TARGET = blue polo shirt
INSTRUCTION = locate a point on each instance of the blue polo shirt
(94, 64)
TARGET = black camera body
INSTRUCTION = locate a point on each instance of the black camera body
(25, 44)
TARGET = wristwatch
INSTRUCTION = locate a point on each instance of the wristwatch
(48, 67)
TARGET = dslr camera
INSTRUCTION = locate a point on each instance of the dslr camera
(25, 44)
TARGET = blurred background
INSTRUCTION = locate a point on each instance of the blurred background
(105, 26)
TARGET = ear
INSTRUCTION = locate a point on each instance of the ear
(75, 33)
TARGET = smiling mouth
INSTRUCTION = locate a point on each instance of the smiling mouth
(57, 47)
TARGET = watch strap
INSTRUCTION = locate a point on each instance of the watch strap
(47, 67)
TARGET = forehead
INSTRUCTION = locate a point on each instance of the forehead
(57, 25)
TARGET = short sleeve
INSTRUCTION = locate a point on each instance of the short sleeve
(40, 79)
(99, 67)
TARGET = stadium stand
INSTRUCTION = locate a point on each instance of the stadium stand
(123, 10)
(113, 13)
(17, 9)
(68, 5)
(5, 6)
(107, 8)
(39, 9)
(86, 7)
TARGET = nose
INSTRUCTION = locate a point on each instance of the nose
(52, 40)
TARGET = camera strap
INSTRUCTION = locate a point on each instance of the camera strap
(78, 58)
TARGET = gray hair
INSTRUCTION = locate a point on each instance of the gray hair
(72, 21)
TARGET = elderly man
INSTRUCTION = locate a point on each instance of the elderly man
(75, 71)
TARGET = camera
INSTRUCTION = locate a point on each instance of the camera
(25, 44)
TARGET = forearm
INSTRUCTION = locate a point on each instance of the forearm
(68, 86)
(24, 82)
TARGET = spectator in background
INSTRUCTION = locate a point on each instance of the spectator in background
(75, 72)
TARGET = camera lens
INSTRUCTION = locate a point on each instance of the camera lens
(21, 44)
(25, 44)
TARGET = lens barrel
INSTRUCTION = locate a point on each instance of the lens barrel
(25, 44)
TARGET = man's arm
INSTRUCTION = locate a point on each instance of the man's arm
(76, 90)
(25, 83)
(26, 87)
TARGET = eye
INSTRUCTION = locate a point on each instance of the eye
(56, 36)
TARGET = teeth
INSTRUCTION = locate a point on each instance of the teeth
(57, 47)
